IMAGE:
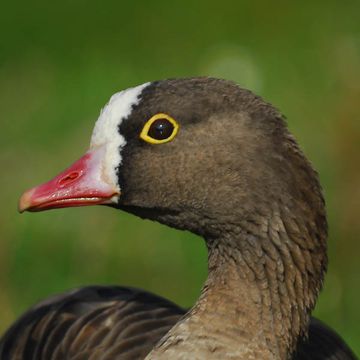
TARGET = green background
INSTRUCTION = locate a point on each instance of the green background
(59, 64)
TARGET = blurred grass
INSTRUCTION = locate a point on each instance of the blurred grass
(59, 63)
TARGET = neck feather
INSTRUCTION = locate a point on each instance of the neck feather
(264, 277)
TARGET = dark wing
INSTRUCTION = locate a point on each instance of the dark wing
(91, 323)
(323, 344)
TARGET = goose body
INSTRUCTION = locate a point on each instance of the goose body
(106, 323)
(207, 156)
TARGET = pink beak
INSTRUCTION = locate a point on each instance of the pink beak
(81, 184)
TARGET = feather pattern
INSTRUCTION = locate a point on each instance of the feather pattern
(91, 323)
(107, 323)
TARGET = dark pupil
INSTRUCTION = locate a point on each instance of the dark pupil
(161, 129)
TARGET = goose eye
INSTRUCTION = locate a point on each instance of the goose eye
(159, 129)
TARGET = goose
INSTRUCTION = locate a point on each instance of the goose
(203, 155)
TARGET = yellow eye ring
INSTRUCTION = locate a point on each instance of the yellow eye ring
(159, 129)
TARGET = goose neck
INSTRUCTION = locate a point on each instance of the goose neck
(264, 276)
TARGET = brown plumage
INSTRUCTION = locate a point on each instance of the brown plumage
(234, 175)
(107, 323)
(91, 323)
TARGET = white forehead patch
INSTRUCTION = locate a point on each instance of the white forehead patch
(106, 131)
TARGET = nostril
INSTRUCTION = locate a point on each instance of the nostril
(69, 178)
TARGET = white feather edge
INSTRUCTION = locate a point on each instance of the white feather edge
(106, 131)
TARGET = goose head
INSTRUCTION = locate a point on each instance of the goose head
(205, 155)
(191, 153)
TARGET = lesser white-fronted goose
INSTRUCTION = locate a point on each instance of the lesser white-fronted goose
(207, 156)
